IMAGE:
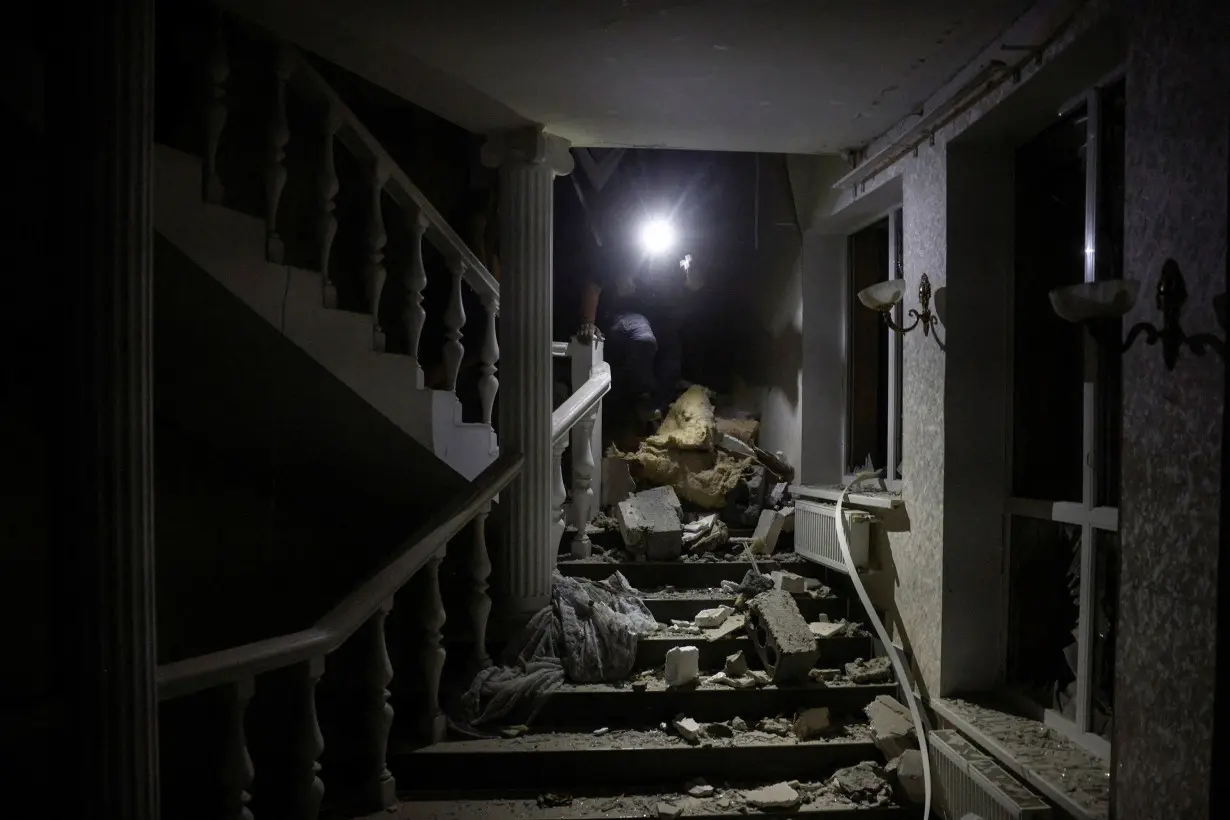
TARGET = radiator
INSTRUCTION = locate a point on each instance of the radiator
(966, 781)
(815, 534)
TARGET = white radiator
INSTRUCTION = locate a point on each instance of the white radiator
(966, 781)
(815, 534)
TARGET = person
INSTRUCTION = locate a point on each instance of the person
(641, 319)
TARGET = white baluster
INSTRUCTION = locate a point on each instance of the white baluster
(559, 494)
(582, 483)
(329, 187)
(488, 384)
(275, 171)
(292, 787)
(377, 237)
(433, 654)
(454, 321)
(379, 789)
(480, 600)
(217, 70)
(415, 278)
(236, 770)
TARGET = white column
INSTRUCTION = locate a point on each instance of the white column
(529, 160)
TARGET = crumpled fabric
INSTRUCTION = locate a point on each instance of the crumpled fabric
(588, 634)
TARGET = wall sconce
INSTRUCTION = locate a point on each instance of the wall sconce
(1093, 303)
(882, 297)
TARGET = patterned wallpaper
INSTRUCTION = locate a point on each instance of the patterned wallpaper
(1178, 162)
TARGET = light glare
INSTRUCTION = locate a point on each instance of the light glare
(657, 236)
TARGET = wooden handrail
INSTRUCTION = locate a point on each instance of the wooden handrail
(330, 632)
(355, 136)
(581, 402)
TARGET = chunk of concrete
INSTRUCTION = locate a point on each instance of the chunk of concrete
(788, 581)
(688, 729)
(700, 788)
(823, 629)
(780, 634)
(713, 618)
(873, 670)
(617, 482)
(768, 528)
(649, 523)
(777, 796)
(733, 624)
(892, 730)
(786, 514)
(682, 665)
(908, 768)
(812, 723)
(669, 810)
(736, 664)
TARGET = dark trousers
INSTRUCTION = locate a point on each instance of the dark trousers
(648, 355)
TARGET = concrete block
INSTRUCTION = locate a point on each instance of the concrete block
(768, 528)
(892, 730)
(688, 729)
(682, 665)
(786, 514)
(824, 629)
(736, 664)
(781, 636)
(649, 523)
(617, 482)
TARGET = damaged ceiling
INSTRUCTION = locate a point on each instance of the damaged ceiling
(790, 76)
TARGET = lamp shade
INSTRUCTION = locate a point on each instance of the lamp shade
(883, 296)
(1095, 300)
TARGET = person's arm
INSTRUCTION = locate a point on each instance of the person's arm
(589, 302)
(590, 294)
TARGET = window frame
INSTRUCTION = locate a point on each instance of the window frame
(1087, 514)
(896, 406)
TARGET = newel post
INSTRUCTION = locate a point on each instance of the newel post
(584, 358)
(529, 161)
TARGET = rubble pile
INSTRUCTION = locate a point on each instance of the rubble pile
(713, 465)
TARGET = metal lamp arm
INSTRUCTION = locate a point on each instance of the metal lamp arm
(888, 320)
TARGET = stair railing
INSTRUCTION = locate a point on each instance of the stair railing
(292, 70)
(292, 785)
(576, 426)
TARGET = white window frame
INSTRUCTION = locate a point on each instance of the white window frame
(896, 264)
(1084, 514)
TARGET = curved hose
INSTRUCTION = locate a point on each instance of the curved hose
(882, 633)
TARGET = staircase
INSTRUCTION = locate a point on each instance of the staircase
(609, 750)
(358, 307)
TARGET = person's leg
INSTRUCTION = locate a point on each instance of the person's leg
(668, 364)
(633, 345)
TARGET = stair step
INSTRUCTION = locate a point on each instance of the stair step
(651, 651)
(667, 607)
(627, 758)
(682, 574)
(725, 803)
(619, 707)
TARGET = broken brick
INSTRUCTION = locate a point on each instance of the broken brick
(781, 636)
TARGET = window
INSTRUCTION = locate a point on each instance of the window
(1062, 521)
(873, 428)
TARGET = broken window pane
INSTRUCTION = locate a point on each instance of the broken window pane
(1048, 393)
(1105, 621)
(1043, 611)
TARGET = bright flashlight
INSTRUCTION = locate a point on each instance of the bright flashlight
(657, 236)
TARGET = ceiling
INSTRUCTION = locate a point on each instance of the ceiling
(790, 76)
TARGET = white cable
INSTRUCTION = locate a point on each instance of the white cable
(919, 729)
